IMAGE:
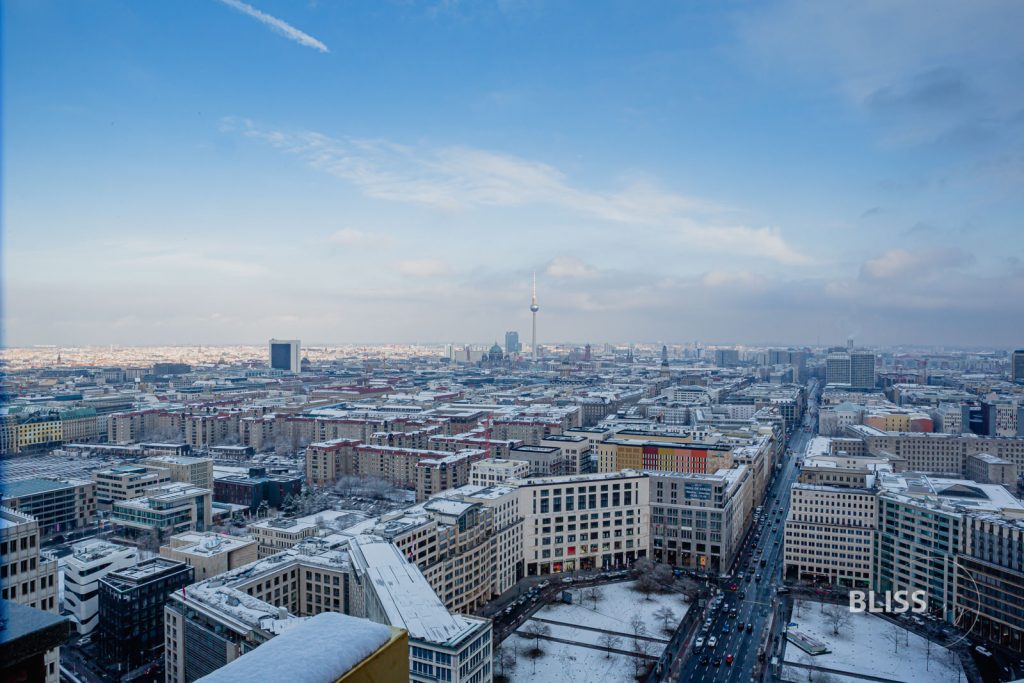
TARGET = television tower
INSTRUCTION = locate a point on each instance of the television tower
(533, 309)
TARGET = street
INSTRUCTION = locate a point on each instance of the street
(754, 600)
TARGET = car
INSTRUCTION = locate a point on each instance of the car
(718, 661)
(733, 613)
(750, 627)
(712, 642)
(543, 584)
(733, 586)
(728, 659)
(567, 579)
(757, 578)
(748, 578)
(707, 623)
(705, 660)
(743, 595)
(725, 628)
(698, 644)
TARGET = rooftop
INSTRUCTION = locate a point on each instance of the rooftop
(328, 646)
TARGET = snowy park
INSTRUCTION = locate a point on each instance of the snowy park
(863, 645)
(615, 630)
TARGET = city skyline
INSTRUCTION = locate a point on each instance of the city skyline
(346, 174)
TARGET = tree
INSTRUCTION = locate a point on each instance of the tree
(892, 634)
(609, 641)
(636, 623)
(506, 660)
(837, 616)
(594, 594)
(664, 576)
(647, 584)
(537, 631)
(641, 653)
(667, 617)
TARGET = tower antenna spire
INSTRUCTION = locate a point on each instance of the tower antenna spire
(533, 309)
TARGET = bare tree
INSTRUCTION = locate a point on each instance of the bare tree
(837, 616)
(594, 594)
(664, 576)
(537, 631)
(892, 634)
(667, 617)
(647, 584)
(609, 641)
(641, 653)
(636, 622)
(506, 661)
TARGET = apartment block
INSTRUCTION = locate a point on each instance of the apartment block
(660, 454)
(584, 522)
(125, 482)
(698, 520)
(990, 580)
(27, 576)
(494, 471)
(575, 451)
(302, 642)
(327, 461)
(221, 619)
(186, 469)
(275, 535)
(544, 461)
(131, 603)
(829, 534)
(89, 562)
(210, 554)
(165, 510)
(58, 505)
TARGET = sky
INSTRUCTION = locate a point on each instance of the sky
(218, 171)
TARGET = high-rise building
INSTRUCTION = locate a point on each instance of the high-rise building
(512, 342)
(725, 358)
(132, 610)
(837, 368)
(1017, 366)
(285, 355)
(862, 370)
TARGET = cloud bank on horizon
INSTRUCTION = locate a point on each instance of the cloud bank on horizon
(670, 173)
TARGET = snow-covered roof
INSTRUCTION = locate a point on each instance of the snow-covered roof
(317, 650)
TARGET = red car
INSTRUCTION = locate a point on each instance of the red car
(728, 659)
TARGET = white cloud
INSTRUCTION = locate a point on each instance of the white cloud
(282, 27)
(423, 267)
(459, 177)
(766, 243)
(349, 237)
(904, 264)
(569, 267)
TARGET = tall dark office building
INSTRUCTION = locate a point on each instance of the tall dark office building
(1017, 366)
(131, 601)
(285, 355)
(512, 343)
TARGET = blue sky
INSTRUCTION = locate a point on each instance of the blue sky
(789, 172)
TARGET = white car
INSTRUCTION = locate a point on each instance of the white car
(712, 641)
(698, 644)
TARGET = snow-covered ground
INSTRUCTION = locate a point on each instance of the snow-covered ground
(576, 662)
(864, 646)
